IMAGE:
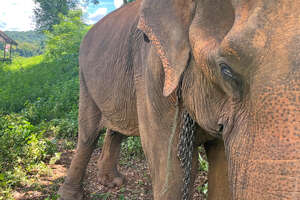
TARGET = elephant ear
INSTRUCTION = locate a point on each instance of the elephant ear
(166, 23)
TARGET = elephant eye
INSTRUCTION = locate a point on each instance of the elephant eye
(146, 39)
(234, 79)
(226, 71)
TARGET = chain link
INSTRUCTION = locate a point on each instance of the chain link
(185, 152)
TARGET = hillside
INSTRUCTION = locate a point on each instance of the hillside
(26, 36)
(30, 43)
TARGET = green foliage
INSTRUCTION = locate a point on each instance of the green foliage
(203, 166)
(62, 44)
(61, 101)
(18, 81)
(39, 107)
(53, 197)
(30, 43)
(26, 36)
(46, 108)
(21, 142)
(23, 152)
(203, 189)
(104, 196)
(202, 159)
(33, 82)
(127, 1)
(47, 13)
(26, 49)
(203, 163)
(132, 147)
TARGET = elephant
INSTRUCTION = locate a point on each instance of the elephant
(231, 67)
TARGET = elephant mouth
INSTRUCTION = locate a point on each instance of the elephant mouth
(232, 117)
(226, 125)
(217, 132)
(220, 129)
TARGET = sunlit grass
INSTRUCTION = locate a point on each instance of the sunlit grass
(38, 101)
(20, 63)
(27, 79)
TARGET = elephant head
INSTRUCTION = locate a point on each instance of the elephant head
(239, 62)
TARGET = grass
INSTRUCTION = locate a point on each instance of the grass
(38, 110)
(38, 103)
(26, 81)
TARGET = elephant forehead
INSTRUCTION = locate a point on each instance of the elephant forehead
(263, 30)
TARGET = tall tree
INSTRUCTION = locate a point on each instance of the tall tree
(127, 1)
(46, 12)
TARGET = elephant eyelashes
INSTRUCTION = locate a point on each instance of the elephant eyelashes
(146, 39)
(233, 79)
(226, 71)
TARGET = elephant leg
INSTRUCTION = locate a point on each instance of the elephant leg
(218, 185)
(89, 119)
(107, 164)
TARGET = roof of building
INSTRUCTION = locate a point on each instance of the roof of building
(5, 38)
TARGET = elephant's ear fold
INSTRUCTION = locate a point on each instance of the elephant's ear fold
(166, 23)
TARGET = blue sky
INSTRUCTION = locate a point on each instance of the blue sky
(17, 15)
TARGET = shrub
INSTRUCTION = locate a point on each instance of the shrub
(23, 150)
(132, 147)
(61, 100)
(21, 81)
(39, 101)
(62, 44)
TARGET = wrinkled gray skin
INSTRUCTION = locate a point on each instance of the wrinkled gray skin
(239, 64)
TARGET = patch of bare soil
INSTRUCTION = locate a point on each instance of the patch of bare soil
(137, 187)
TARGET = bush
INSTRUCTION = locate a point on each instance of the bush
(62, 44)
(23, 151)
(39, 105)
(23, 80)
(37, 82)
(38, 102)
(132, 147)
(61, 100)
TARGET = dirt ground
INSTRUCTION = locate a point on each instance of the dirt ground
(137, 187)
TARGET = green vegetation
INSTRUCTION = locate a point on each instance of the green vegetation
(26, 36)
(64, 41)
(30, 43)
(39, 107)
(47, 13)
(23, 152)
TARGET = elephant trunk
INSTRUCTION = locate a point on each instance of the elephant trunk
(264, 150)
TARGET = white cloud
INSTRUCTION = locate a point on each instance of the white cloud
(96, 16)
(16, 14)
(83, 6)
(100, 11)
(118, 3)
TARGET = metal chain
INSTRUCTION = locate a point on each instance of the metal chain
(185, 152)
